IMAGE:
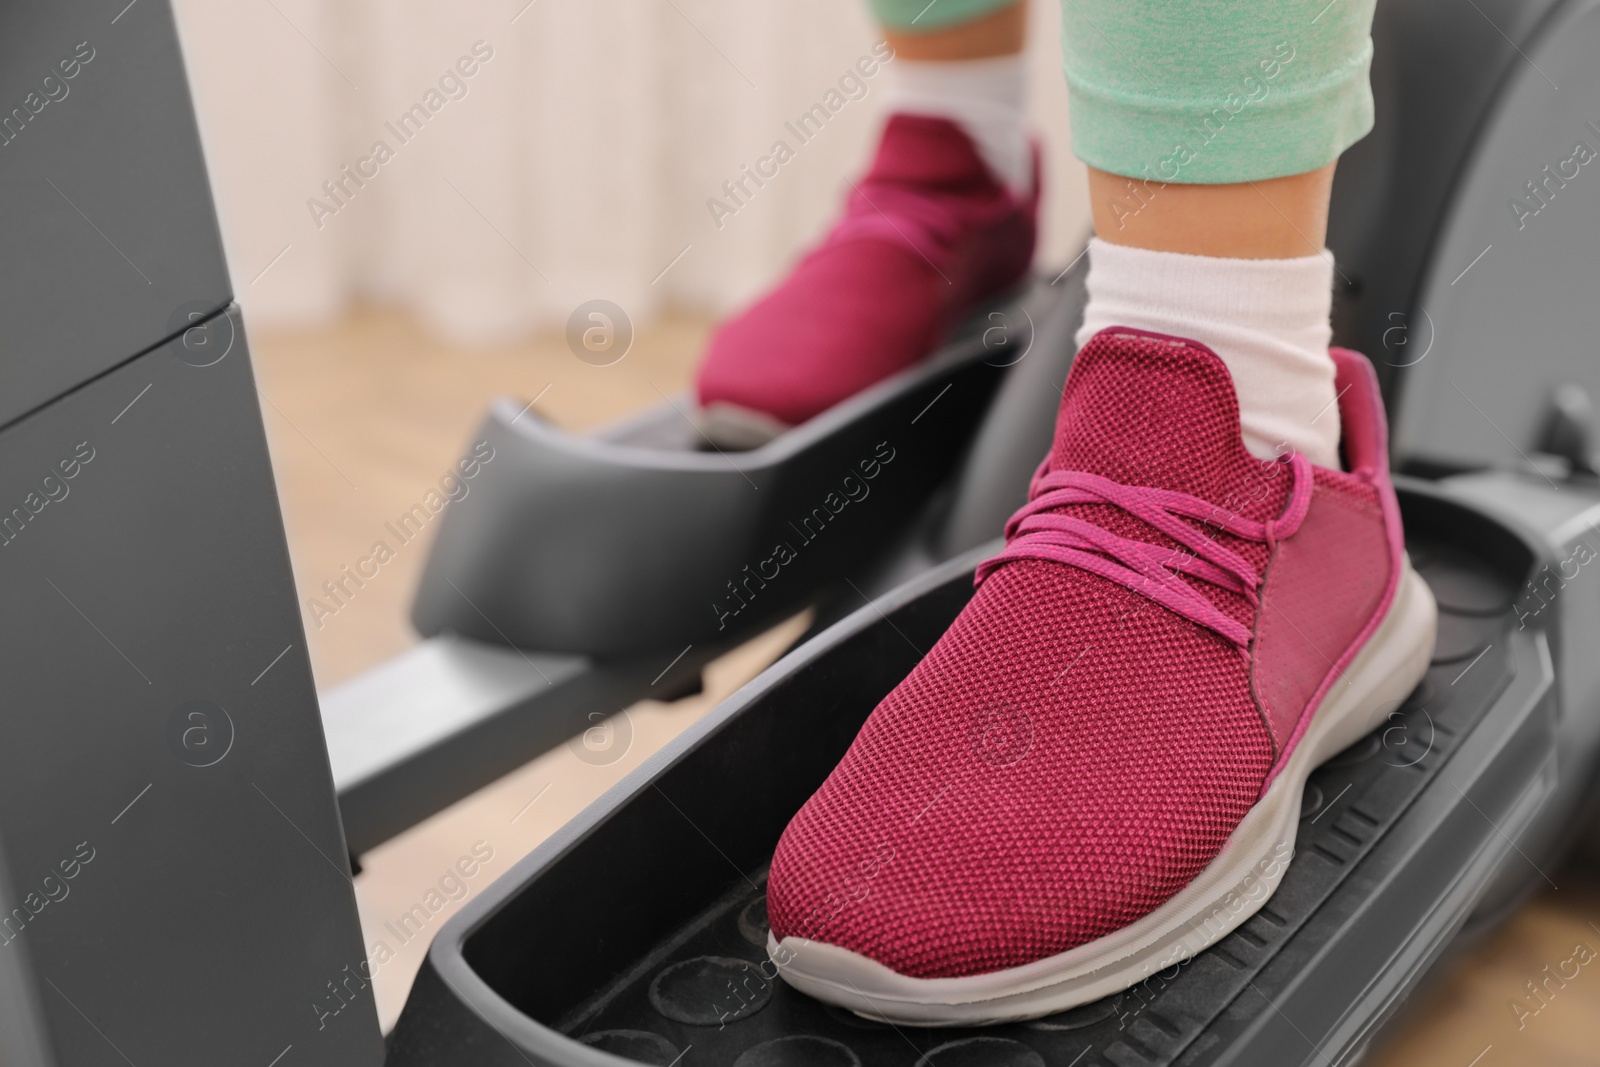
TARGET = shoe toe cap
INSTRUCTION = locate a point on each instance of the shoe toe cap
(846, 319)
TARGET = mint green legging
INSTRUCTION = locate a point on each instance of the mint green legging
(1200, 91)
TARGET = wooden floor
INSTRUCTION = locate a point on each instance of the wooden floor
(366, 416)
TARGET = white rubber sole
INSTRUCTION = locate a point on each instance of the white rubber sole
(1232, 888)
(738, 428)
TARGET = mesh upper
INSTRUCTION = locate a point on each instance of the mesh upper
(1069, 754)
(926, 233)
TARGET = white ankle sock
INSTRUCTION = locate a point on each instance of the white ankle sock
(1266, 318)
(985, 97)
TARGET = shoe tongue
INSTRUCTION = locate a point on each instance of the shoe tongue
(929, 151)
(1149, 410)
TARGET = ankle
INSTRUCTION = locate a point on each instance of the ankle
(985, 98)
(1274, 218)
(1268, 320)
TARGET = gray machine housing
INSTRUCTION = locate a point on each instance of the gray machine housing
(174, 887)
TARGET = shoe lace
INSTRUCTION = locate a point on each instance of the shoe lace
(889, 211)
(1040, 531)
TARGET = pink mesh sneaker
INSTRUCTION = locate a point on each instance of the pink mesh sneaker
(1097, 770)
(928, 234)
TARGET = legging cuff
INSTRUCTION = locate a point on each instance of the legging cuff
(915, 16)
(1211, 91)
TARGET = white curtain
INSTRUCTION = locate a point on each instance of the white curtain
(575, 160)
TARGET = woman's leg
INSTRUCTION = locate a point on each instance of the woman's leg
(1211, 135)
(1274, 218)
(1096, 772)
(1240, 268)
(970, 72)
(944, 219)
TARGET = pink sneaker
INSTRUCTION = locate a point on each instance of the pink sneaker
(926, 235)
(1097, 770)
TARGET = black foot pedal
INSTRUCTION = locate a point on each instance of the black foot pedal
(641, 931)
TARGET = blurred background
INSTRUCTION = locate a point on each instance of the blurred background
(392, 291)
(576, 162)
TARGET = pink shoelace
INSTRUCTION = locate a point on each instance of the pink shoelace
(1037, 531)
(930, 224)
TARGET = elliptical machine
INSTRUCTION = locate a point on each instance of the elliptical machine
(173, 849)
